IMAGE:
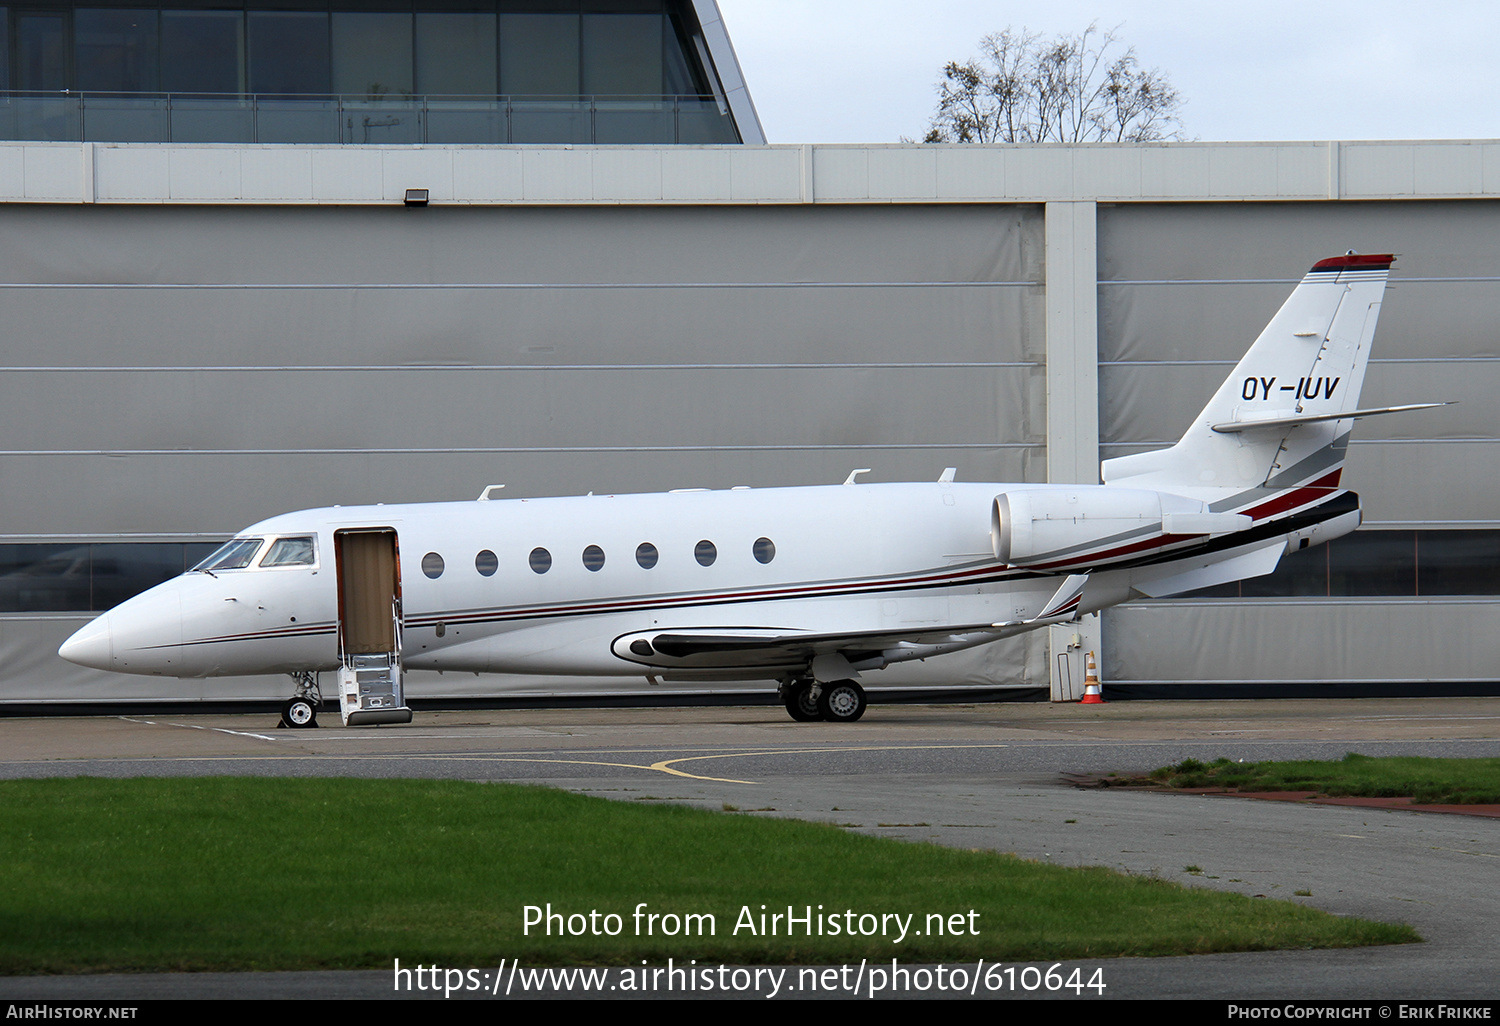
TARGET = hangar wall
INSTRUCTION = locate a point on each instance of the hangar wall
(204, 367)
(307, 357)
(1182, 290)
(198, 337)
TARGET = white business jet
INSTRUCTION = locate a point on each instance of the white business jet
(810, 587)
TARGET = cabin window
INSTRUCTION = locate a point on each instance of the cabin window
(765, 550)
(432, 565)
(593, 558)
(645, 555)
(486, 563)
(705, 553)
(298, 551)
(541, 560)
(235, 554)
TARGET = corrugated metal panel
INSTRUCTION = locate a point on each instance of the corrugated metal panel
(34, 673)
(1185, 289)
(219, 245)
(781, 289)
(684, 407)
(1428, 482)
(1289, 640)
(798, 343)
(1108, 172)
(191, 494)
(846, 326)
(766, 175)
(1278, 241)
(903, 174)
(1425, 169)
(1149, 405)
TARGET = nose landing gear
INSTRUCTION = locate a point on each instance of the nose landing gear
(301, 710)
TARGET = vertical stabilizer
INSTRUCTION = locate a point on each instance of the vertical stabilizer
(1308, 362)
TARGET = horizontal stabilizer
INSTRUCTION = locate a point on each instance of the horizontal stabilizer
(1231, 426)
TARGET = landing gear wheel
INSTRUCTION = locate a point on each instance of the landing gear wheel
(801, 704)
(299, 712)
(843, 701)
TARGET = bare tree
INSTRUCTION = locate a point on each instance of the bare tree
(1073, 88)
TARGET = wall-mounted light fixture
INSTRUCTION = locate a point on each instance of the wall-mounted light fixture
(416, 197)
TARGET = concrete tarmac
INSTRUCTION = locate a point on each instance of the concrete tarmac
(981, 776)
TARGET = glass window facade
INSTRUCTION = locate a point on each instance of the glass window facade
(41, 50)
(372, 54)
(622, 54)
(116, 50)
(540, 55)
(1375, 564)
(289, 53)
(203, 52)
(456, 54)
(474, 71)
(89, 578)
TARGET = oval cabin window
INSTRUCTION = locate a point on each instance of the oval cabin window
(705, 553)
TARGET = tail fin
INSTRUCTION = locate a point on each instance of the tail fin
(1275, 423)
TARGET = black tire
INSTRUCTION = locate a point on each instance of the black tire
(299, 712)
(800, 703)
(843, 701)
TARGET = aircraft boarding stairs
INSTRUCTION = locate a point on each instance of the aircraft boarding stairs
(370, 686)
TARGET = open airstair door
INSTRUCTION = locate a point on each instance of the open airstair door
(369, 628)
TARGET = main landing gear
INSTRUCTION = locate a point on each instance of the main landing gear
(301, 710)
(840, 701)
(801, 701)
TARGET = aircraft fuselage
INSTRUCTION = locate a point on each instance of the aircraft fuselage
(891, 559)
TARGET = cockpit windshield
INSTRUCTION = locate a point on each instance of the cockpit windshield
(235, 554)
(293, 551)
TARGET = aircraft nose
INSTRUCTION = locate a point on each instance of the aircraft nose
(91, 646)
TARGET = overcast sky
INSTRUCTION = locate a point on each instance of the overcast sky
(865, 70)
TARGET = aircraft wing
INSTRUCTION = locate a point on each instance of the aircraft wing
(704, 648)
(709, 648)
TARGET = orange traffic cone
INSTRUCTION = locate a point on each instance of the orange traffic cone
(1092, 694)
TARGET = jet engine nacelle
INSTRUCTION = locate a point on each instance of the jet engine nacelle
(1047, 527)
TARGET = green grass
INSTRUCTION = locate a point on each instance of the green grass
(1428, 781)
(245, 873)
